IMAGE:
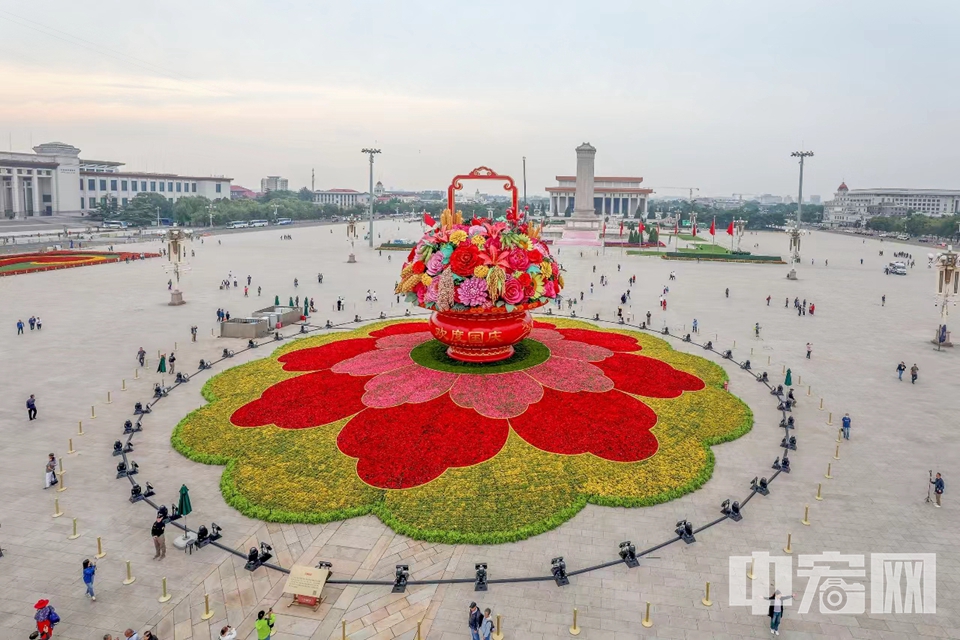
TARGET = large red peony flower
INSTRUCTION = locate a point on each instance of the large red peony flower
(464, 259)
(408, 423)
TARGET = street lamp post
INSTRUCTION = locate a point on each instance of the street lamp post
(795, 239)
(371, 153)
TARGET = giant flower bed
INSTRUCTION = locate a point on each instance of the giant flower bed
(380, 420)
(31, 262)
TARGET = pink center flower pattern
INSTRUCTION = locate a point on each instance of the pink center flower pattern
(409, 423)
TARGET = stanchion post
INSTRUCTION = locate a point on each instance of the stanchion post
(809, 390)
(164, 596)
(207, 613)
(130, 579)
(839, 435)
(647, 622)
(74, 535)
(768, 361)
(788, 548)
(799, 381)
(62, 483)
(575, 629)
(819, 489)
(498, 634)
(706, 601)
(61, 466)
(343, 623)
(93, 412)
(419, 632)
(828, 476)
(806, 516)
(750, 573)
(56, 508)
(79, 427)
(830, 418)
(784, 372)
(123, 384)
(821, 404)
(109, 401)
(136, 374)
(100, 552)
(70, 449)
(836, 455)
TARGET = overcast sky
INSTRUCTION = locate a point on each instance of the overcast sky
(697, 93)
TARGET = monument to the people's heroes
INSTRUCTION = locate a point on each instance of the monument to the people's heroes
(583, 227)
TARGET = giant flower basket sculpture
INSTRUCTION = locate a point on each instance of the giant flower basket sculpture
(480, 277)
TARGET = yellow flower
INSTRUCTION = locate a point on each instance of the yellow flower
(479, 241)
(458, 236)
(546, 269)
(426, 280)
(537, 285)
(481, 271)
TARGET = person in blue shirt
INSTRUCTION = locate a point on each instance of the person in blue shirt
(937, 488)
(846, 426)
(89, 569)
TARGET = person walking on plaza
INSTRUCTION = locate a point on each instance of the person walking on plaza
(159, 540)
(33, 322)
(173, 363)
(845, 425)
(31, 407)
(162, 367)
(258, 291)
(228, 633)
(486, 627)
(756, 329)
(39, 323)
(937, 488)
(89, 570)
(19, 327)
(51, 471)
(768, 301)
(141, 356)
(264, 624)
(883, 300)
(914, 370)
(776, 610)
(45, 617)
(900, 369)
(809, 350)
(474, 621)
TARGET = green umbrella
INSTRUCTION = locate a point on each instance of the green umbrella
(184, 508)
(789, 380)
(276, 301)
(291, 302)
(306, 307)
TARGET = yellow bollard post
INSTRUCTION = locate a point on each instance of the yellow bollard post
(211, 335)
(175, 348)
(63, 485)
(829, 418)
(706, 601)
(56, 508)
(799, 381)
(784, 372)
(130, 579)
(768, 361)
(751, 574)
(839, 435)
(61, 466)
(100, 552)
(498, 634)
(734, 344)
(136, 374)
(751, 350)
(123, 384)
(419, 632)
(207, 613)
(819, 488)
(79, 427)
(164, 596)
(158, 354)
(806, 516)
(828, 476)
(821, 404)
(647, 622)
(109, 401)
(343, 623)
(93, 412)
(74, 535)
(70, 443)
(788, 548)
(809, 390)
(575, 629)
(836, 456)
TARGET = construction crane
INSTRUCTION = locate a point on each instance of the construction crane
(690, 190)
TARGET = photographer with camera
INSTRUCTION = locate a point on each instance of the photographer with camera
(264, 624)
(937, 488)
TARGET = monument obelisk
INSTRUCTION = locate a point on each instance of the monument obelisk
(584, 224)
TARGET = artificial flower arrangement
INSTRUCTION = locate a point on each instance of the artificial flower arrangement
(482, 266)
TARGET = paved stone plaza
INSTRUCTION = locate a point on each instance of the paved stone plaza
(95, 319)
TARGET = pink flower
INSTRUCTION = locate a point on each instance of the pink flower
(549, 289)
(435, 264)
(475, 229)
(518, 260)
(432, 292)
(473, 292)
(513, 291)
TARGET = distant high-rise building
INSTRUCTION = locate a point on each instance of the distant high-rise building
(814, 199)
(273, 183)
(768, 198)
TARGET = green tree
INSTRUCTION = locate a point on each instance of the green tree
(305, 194)
(191, 210)
(141, 211)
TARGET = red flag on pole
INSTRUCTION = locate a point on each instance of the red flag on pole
(676, 228)
(694, 229)
(621, 227)
(641, 228)
(713, 227)
(604, 233)
(427, 220)
(730, 228)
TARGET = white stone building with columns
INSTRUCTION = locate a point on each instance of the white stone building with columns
(611, 195)
(54, 180)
